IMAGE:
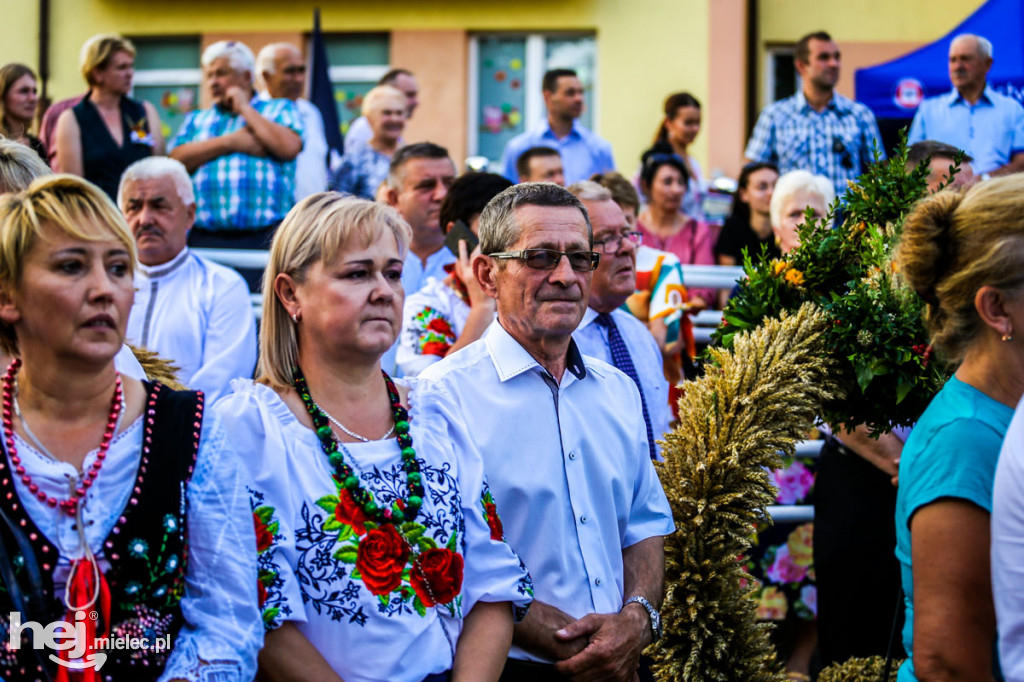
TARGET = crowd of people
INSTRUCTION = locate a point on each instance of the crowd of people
(431, 458)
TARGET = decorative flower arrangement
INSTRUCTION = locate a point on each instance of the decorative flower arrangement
(876, 329)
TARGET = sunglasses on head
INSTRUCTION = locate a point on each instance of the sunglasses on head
(548, 259)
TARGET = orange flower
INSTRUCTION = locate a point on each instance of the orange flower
(795, 277)
(779, 267)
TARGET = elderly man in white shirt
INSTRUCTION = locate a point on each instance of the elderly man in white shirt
(191, 311)
(564, 444)
(610, 333)
(283, 73)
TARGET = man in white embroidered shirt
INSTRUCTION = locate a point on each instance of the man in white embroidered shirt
(193, 312)
(564, 444)
(609, 333)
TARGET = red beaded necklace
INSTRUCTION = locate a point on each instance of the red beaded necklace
(70, 505)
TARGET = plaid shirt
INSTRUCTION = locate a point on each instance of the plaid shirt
(361, 172)
(239, 191)
(836, 143)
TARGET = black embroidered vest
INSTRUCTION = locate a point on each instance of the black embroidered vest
(146, 550)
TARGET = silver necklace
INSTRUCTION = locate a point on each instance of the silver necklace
(38, 444)
(351, 433)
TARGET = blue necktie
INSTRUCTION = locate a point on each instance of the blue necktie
(622, 360)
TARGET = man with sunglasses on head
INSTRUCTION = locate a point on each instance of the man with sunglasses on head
(282, 71)
(564, 444)
(609, 332)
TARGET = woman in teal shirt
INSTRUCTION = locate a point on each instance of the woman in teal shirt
(964, 254)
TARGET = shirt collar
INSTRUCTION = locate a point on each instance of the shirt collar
(835, 104)
(955, 97)
(164, 269)
(589, 316)
(546, 131)
(511, 359)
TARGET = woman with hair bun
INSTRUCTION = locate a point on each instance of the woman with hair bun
(964, 254)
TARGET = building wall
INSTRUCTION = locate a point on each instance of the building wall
(645, 49)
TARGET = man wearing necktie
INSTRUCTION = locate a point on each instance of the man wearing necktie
(609, 332)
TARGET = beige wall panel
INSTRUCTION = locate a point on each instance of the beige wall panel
(439, 60)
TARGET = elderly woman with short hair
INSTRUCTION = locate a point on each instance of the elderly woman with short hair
(364, 168)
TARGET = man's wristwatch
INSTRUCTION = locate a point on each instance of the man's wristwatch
(651, 612)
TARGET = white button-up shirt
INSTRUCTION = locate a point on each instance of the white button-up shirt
(592, 339)
(198, 315)
(568, 462)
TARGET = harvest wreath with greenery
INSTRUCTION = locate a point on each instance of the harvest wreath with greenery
(830, 331)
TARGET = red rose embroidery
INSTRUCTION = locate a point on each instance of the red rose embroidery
(350, 513)
(436, 348)
(441, 569)
(381, 559)
(264, 538)
(440, 326)
(262, 593)
(494, 521)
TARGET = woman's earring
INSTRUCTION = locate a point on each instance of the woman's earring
(1008, 336)
(295, 317)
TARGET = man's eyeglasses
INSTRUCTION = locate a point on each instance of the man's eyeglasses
(548, 259)
(612, 243)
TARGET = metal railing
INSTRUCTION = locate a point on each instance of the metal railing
(705, 322)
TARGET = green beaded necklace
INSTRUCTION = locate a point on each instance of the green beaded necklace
(400, 510)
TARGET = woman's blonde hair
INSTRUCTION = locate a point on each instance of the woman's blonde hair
(953, 244)
(99, 50)
(317, 229)
(74, 206)
(19, 166)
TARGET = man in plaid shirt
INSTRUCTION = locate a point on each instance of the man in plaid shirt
(817, 129)
(241, 154)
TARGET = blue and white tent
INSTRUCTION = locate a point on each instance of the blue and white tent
(893, 90)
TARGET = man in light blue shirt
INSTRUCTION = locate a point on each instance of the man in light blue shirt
(974, 117)
(583, 152)
(605, 324)
(564, 445)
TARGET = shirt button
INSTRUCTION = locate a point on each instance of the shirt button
(583, 519)
(572, 455)
(598, 582)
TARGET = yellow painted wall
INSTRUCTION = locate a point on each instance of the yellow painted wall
(20, 41)
(862, 20)
(646, 48)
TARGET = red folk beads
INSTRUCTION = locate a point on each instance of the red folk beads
(70, 505)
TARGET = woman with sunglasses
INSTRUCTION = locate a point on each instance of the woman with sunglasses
(381, 552)
(663, 179)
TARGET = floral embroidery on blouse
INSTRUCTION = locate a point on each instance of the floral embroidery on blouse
(491, 515)
(268, 585)
(408, 568)
(434, 330)
(403, 560)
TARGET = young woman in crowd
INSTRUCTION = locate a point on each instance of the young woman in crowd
(677, 131)
(381, 552)
(964, 254)
(19, 98)
(664, 178)
(107, 131)
(118, 498)
(749, 226)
